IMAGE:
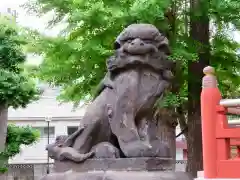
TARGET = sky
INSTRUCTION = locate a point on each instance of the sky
(31, 21)
(25, 19)
(40, 23)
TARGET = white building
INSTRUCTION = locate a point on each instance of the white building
(63, 121)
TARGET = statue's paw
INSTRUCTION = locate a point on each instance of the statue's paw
(106, 150)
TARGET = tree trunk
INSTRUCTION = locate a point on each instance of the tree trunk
(166, 126)
(3, 126)
(199, 32)
(194, 144)
(3, 132)
(167, 134)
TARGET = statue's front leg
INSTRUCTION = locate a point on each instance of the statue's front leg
(84, 141)
(77, 147)
(93, 129)
(58, 152)
(123, 126)
(95, 124)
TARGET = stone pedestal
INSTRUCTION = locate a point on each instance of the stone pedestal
(119, 175)
(117, 169)
(119, 164)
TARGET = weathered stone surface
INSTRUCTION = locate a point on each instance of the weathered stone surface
(117, 128)
(138, 74)
(119, 164)
(119, 175)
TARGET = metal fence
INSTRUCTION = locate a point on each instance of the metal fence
(36, 171)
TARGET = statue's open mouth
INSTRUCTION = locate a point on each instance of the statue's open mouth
(124, 61)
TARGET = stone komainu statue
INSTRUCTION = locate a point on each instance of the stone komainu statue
(118, 122)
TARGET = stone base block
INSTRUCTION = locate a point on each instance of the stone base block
(118, 175)
(119, 164)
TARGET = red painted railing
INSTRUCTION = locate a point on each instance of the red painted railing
(216, 133)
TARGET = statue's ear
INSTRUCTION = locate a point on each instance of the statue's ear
(164, 46)
(165, 49)
(116, 45)
(170, 65)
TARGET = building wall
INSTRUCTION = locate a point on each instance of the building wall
(179, 150)
(179, 154)
(37, 153)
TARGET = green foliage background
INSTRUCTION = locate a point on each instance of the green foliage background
(17, 89)
(17, 136)
(75, 59)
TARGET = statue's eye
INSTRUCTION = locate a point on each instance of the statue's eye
(129, 40)
(147, 41)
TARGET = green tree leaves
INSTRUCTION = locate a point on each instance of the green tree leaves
(16, 89)
(76, 58)
(16, 136)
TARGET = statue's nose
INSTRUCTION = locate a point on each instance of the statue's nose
(137, 41)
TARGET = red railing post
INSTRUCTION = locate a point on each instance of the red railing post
(210, 98)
